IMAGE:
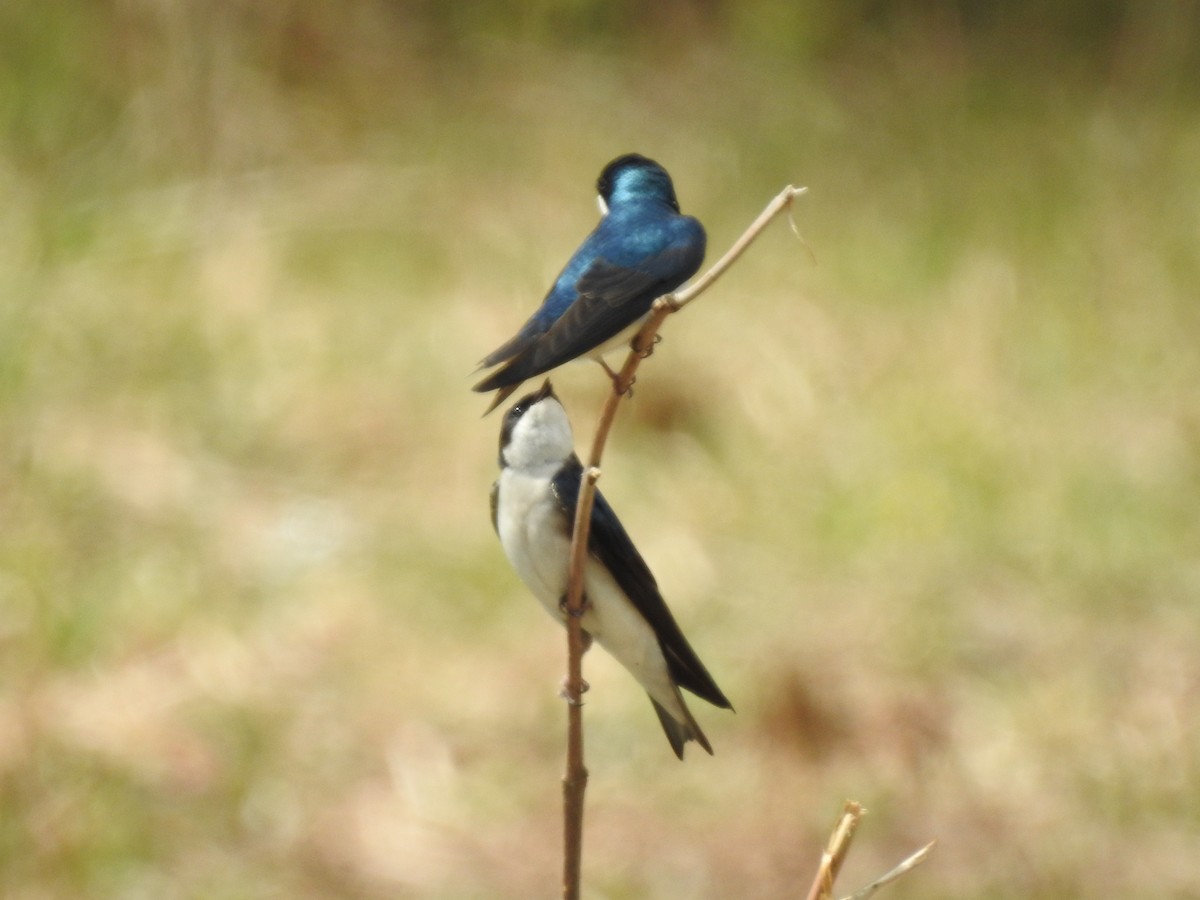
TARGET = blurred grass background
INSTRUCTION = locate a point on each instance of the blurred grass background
(927, 508)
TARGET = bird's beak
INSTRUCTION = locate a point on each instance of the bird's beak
(547, 390)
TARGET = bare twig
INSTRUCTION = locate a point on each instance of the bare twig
(835, 855)
(775, 207)
(575, 778)
(907, 866)
(835, 851)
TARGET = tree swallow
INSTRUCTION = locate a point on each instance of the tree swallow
(533, 512)
(641, 249)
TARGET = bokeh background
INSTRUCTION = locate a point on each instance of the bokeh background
(926, 504)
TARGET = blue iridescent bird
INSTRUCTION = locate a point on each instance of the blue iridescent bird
(641, 249)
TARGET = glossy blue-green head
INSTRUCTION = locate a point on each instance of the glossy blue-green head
(634, 177)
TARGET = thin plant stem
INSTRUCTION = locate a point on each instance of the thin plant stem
(835, 851)
(903, 868)
(838, 848)
(576, 776)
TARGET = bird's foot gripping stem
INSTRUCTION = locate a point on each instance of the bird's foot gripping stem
(565, 608)
(647, 350)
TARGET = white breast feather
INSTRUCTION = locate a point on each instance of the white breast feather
(533, 534)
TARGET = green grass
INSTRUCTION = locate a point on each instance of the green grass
(927, 508)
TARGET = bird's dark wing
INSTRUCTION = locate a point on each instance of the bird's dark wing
(616, 297)
(609, 543)
(494, 502)
(513, 351)
(509, 349)
(611, 298)
(535, 326)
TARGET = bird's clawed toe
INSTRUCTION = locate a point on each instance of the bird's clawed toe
(645, 352)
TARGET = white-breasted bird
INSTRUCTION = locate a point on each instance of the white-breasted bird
(533, 511)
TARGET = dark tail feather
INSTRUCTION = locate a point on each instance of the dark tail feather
(505, 375)
(679, 733)
(501, 395)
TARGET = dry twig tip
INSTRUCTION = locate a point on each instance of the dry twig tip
(906, 866)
